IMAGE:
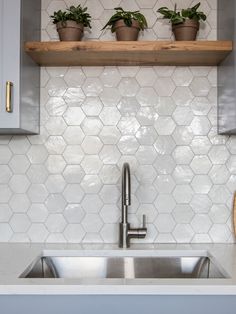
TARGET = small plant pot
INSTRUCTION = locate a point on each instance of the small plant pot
(70, 31)
(126, 33)
(186, 31)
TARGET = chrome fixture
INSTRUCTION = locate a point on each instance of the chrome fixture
(127, 233)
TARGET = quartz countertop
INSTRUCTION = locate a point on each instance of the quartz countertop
(15, 258)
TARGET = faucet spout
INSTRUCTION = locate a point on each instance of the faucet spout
(126, 192)
(126, 232)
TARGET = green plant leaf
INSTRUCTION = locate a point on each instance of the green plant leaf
(77, 14)
(177, 17)
(127, 17)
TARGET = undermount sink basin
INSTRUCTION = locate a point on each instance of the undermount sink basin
(125, 267)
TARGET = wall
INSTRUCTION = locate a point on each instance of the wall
(64, 184)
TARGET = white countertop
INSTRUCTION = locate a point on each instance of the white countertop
(15, 258)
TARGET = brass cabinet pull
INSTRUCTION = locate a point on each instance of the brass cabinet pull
(9, 86)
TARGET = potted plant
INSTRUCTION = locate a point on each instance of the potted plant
(185, 23)
(126, 24)
(70, 23)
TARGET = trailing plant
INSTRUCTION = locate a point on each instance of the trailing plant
(127, 17)
(77, 14)
(177, 17)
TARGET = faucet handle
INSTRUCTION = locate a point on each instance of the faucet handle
(144, 221)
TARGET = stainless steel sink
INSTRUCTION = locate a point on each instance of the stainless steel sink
(101, 267)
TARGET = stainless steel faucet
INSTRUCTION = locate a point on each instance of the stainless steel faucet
(126, 233)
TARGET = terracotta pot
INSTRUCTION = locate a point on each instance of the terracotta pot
(186, 30)
(70, 31)
(126, 33)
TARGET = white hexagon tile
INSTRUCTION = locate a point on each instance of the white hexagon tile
(64, 184)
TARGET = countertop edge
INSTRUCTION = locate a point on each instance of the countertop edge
(116, 290)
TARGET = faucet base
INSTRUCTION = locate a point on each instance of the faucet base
(124, 241)
(127, 233)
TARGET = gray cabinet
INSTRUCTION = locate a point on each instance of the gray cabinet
(227, 69)
(19, 75)
(117, 304)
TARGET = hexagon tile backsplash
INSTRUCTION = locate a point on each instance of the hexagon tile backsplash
(64, 184)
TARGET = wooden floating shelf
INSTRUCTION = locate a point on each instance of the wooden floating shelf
(149, 53)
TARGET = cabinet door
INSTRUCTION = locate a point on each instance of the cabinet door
(10, 62)
(227, 70)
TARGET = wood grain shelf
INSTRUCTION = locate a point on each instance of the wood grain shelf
(101, 53)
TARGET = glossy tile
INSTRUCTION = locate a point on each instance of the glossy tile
(64, 184)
